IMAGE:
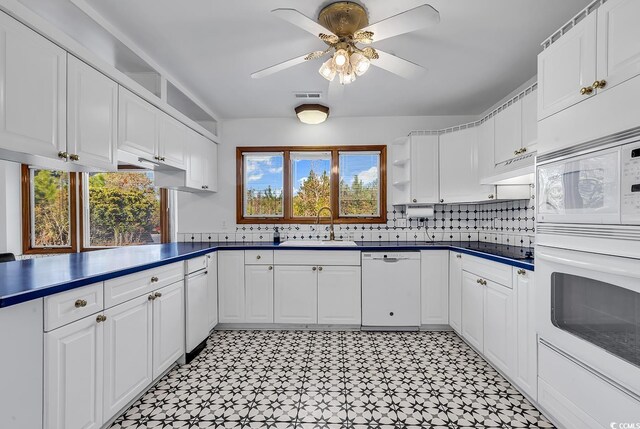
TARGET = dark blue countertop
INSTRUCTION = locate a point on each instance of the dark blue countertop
(22, 281)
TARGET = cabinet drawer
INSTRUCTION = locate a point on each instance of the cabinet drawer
(489, 270)
(258, 257)
(124, 288)
(66, 307)
(316, 257)
(196, 264)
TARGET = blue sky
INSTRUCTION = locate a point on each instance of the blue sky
(266, 170)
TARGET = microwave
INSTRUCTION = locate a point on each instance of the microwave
(600, 187)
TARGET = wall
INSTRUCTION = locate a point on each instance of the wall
(203, 213)
(10, 208)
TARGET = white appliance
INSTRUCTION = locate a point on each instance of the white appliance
(196, 298)
(391, 289)
(588, 282)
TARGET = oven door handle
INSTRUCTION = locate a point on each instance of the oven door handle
(603, 264)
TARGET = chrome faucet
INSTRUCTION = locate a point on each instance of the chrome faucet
(332, 235)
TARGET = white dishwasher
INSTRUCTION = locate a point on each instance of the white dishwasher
(391, 289)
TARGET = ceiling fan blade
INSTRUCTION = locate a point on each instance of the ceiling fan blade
(279, 67)
(397, 65)
(302, 21)
(336, 90)
(405, 22)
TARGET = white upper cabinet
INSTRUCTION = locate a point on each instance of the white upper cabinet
(486, 141)
(211, 166)
(172, 138)
(92, 117)
(138, 126)
(424, 186)
(567, 66)
(508, 132)
(459, 175)
(618, 42)
(33, 93)
(530, 121)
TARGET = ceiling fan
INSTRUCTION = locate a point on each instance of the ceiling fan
(344, 27)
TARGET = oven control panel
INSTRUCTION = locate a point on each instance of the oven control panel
(630, 202)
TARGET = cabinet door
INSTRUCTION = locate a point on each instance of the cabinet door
(472, 310)
(455, 291)
(526, 366)
(530, 121)
(231, 287)
(424, 169)
(499, 330)
(73, 375)
(172, 139)
(486, 148)
(195, 161)
(339, 300)
(459, 175)
(508, 128)
(211, 167)
(137, 125)
(197, 290)
(565, 67)
(168, 327)
(128, 349)
(295, 294)
(212, 294)
(434, 281)
(92, 116)
(618, 36)
(33, 92)
(258, 288)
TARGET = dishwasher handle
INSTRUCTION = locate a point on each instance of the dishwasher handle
(392, 260)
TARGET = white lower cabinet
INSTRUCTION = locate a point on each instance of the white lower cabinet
(73, 375)
(231, 297)
(128, 363)
(295, 294)
(258, 293)
(472, 310)
(455, 291)
(212, 284)
(339, 298)
(498, 327)
(525, 372)
(434, 281)
(168, 327)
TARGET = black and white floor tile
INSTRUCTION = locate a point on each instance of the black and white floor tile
(333, 380)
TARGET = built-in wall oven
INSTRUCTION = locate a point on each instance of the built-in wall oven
(588, 282)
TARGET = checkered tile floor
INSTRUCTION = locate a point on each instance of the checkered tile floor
(302, 379)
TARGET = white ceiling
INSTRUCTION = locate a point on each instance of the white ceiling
(480, 52)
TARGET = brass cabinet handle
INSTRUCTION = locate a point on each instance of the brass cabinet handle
(151, 297)
(163, 158)
(482, 282)
(80, 303)
(314, 268)
(319, 268)
(63, 155)
(157, 294)
(522, 272)
(491, 196)
(74, 157)
(154, 279)
(459, 256)
(101, 318)
(587, 90)
(516, 152)
(599, 84)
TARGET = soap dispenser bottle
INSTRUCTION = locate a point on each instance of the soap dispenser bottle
(276, 236)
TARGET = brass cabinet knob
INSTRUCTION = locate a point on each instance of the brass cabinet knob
(157, 158)
(522, 272)
(154, 279)
(459, 256)
(258, 257)
(270, 268)
(491, 196)
(479, 281)
(63, 155)
(74, 157)
(101, 318)
(599, 84)
(415, 200)
(151, 297)
(587, 90)
(484, 282)
(314, 268)
(516, 152)
(157, 294)
(80, 303)
(441, 200)
(163, 159)
(319, 268)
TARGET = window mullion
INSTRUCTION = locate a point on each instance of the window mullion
(335, 183)
(288, 186)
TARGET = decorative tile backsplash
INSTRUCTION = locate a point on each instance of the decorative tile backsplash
(510, 222)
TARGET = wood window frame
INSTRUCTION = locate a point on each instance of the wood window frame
(27, 247)
(164, 219)
(335, 184)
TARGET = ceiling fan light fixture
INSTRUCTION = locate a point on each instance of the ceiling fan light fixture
(360, 63)
(328, 70)
(341, 59)
(312, 114)
(348, 76)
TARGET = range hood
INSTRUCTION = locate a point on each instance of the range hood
(516, 171)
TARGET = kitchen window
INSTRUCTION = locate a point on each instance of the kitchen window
(291, 184)
(116, 209)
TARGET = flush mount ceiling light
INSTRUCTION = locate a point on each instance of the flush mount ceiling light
(312, 114)
(344, 26)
